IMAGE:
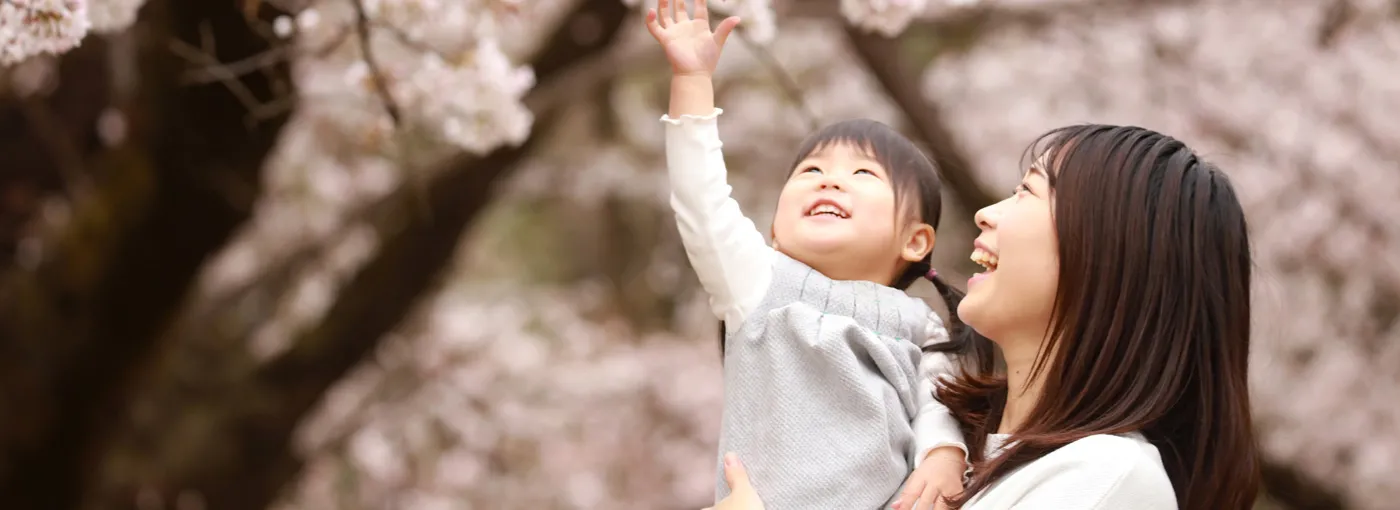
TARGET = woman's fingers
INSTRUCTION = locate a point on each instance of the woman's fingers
(734, 473)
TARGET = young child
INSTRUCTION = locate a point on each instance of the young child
(824, 399)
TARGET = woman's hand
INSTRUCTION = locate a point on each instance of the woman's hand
(741, 494)
(690, 45)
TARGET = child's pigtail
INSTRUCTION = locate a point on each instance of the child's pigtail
(721, 342)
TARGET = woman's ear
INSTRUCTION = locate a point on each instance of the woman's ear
(918, 242)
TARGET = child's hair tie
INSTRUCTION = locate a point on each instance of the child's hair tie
(931, 274)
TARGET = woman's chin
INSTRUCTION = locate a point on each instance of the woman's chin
(970, 309)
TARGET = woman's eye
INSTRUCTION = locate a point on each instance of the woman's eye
(1021, 187)
(864, 171)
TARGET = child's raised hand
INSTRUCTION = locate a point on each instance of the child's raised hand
(690, 45)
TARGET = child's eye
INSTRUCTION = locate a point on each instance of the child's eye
(867, 172)
(811, 169)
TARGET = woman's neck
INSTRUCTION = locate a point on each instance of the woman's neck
(1022, 392)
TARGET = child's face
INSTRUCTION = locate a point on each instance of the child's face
(837, 214)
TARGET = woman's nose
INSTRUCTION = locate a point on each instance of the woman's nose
(986, 217)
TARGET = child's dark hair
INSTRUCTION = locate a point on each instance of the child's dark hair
(918, 189)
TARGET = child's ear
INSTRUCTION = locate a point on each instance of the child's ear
(918, 243)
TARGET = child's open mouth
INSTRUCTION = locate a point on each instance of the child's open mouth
(827, 207)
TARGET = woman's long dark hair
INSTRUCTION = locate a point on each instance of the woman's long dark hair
(1151, 321)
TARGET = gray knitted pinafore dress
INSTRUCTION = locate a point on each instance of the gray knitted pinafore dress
(819, 391)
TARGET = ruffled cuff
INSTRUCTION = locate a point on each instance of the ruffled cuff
(710, 117)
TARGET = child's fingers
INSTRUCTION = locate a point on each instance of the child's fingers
(663, 10)
(702, 10)
(909, 495)
(681, 13)
(931, 499)
(652, 25)
(725, 27)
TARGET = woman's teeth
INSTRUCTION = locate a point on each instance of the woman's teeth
(987, 260)
(827, 209)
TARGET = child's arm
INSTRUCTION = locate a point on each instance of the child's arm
(729, 255)
(934, 425)
(940, 460)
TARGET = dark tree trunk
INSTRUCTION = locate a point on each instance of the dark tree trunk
(77, 328)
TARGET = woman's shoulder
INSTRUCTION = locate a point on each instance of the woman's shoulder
(1124, 467)
(1125, 449)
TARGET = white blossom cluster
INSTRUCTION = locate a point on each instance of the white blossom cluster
(441, 67)
(39, 27)
(51, 27)
(890, 17)
(108, 16)
(517, 398)
(887, 17)
(759, 21)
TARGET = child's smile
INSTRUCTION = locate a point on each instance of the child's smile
(827, 208)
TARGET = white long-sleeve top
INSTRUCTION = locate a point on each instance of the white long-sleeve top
(1101, 472)
(735, 263)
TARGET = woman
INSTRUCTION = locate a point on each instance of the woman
(1116, 300)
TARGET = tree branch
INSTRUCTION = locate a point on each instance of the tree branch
(216, 71)
(888, 62)
(381, 85)
(784, 79)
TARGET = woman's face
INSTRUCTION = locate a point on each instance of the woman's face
(1014, 297)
